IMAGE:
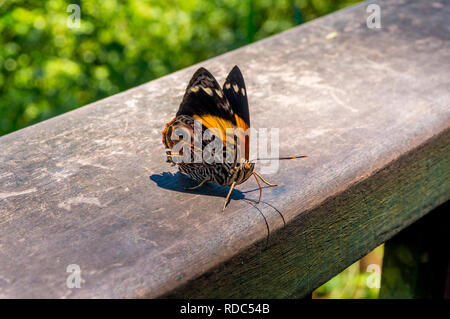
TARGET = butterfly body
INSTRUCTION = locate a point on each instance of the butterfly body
(221, 174)
(218, 110)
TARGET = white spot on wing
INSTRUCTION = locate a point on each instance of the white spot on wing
(208, 91)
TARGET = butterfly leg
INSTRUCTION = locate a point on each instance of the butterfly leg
(228, 196)
(260, 189)
(266, 182)
(198, 186)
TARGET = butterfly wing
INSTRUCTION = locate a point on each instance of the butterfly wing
(236, 94)
(205, 102)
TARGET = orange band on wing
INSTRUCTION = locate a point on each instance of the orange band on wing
(217, 125)
(244, 144)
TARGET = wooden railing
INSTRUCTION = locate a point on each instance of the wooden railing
(370, 107)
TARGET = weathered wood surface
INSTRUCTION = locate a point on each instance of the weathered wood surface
(370, 107)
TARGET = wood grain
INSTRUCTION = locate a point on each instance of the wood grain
(369, 106)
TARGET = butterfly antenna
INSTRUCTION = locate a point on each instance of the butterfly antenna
(279, 158)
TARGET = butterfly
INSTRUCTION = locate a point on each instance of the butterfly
(219, 110)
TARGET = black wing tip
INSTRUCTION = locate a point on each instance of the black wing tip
(201, 70)
(201, 73)
(235, 70)
(236, 76)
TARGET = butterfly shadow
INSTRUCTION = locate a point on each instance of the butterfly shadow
(178, 182)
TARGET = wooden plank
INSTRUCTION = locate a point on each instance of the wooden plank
(323, 241)
(416, 260)
(370, 107)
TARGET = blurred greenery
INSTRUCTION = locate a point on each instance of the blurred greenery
(47, 68)
(352, 282)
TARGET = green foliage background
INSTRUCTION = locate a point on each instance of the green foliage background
(47, 68)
